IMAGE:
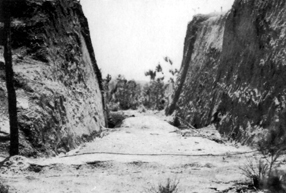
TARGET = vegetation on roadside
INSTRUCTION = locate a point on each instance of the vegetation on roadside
(153, 92)
(171, 186)
(264, 173)
(123, 94)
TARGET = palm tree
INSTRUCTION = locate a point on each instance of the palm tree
(12, 103)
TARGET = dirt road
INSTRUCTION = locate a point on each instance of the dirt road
(143, 153)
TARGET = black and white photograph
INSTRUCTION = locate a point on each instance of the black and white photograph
(142, 96)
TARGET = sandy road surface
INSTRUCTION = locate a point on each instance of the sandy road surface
(144, 152)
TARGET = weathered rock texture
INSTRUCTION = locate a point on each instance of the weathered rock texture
(57, 79)
(242, 86)
(203, 45)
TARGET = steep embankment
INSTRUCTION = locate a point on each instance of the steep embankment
(203, 45)
(57, 80)
(247, 87)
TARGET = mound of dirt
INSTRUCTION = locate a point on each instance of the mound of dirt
(14, 164)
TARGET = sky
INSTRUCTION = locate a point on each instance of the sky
(132, 36)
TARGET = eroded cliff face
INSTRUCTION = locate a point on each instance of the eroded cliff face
(251, 78)
(203, 45)
(57, 80)
(244, 87)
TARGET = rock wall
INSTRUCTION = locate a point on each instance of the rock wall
(246, 90)
(57, 80)
(203, 45)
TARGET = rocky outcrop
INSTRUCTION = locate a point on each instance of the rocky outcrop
(57, 80)
(203, 45)
(243, 88)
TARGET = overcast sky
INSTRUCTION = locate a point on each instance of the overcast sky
(131, 36)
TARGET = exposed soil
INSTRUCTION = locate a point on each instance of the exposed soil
(144, 152)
